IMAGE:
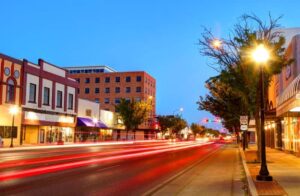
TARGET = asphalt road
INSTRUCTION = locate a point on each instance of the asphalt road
(101, 170)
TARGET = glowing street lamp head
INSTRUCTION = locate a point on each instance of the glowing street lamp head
(150, 97)
(216, 43)
(13, 110)
(260, 54)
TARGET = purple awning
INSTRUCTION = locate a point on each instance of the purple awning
(88, 122)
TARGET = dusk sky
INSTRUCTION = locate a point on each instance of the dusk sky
(157, 36)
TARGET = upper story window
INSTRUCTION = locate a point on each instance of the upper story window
(59, 99)
(97, 100)
(10, 91)
(87, 80)
(118, 79)
(46, 97)
(88, 112)
(128, 90)
(128, 79)
(107, 79)
(70, 101)
(107, 90)
(117, 100)
(106, 100)
(138, 78)
(97, 80)
(138, 89)
(86, 90)
(32, 93)
(117, 90)
(97, 90)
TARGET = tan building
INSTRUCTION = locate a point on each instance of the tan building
(106, 86)
(11, 93)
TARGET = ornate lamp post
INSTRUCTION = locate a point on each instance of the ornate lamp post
(261, 56)
(13, 111)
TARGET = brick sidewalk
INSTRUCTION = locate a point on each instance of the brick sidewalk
(262, 188)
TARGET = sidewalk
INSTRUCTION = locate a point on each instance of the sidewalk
(283, 167)
(221, 173)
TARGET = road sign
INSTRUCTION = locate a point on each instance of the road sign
(244, 127)
(244, 120)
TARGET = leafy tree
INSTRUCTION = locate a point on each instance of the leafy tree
(197, 129)
(238, 75)
(171, 123)
(133, 113)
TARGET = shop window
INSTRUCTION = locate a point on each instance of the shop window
(70, 101)
(46, 98)
(59, 99)
(10, 91)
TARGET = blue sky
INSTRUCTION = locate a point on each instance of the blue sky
(157, 36)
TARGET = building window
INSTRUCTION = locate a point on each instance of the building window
(88, 112)
(128, 79)
(78, 80)
(117, 90)
(107, 90)
(118, 79)
(10, 91)
(117, 100)
(138, 78)
(46, 98)
(138, 99)
(86, 90)
(128, 89)
(107, 79)
(106, 100)
(59, 99)
(97, 80)
(97, 100)
(78, 91)
(70, 101)
(97, 90)
(138, 89)
(87, 80)
(32, 93)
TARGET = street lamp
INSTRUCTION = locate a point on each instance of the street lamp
(13, 111)
(261, 55)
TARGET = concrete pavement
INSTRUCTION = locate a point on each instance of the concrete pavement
(221, 173)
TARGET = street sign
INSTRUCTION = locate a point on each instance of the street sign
(244, 120)
(244, 127)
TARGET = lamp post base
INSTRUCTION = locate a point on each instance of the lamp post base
(264, 178)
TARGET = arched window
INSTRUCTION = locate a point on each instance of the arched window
(10, 91)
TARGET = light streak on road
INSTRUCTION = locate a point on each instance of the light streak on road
(72, 165)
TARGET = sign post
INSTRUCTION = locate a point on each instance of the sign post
(244, 128)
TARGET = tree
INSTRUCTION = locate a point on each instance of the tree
(197, 129)
(238, 75)
(132, 113)
(171, 123)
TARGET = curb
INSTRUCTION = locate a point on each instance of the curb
(252, 188)
(167, 181)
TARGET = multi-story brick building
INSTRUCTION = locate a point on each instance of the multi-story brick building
(106, 86)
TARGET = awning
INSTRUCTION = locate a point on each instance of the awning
(88, 122)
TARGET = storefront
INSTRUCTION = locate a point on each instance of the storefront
(39, 128)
